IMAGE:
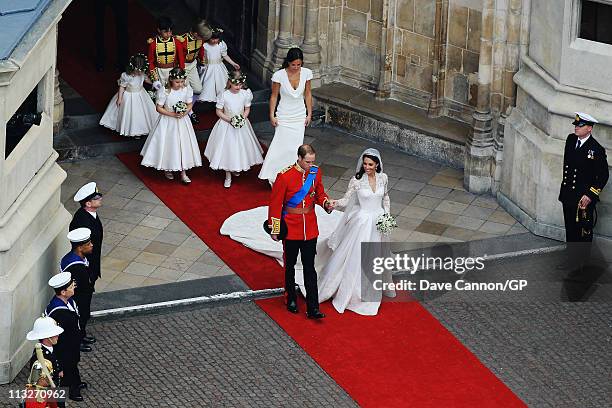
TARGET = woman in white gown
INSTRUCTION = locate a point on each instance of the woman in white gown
(294, 113)
(342, 278)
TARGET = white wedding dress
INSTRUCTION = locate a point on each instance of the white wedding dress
(341, 278)
(289, 134)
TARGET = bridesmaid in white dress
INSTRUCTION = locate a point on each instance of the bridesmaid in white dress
(365, 200)
(294, 113)
(229, 148)
(131, 112)
(172, 144)
(214, 75)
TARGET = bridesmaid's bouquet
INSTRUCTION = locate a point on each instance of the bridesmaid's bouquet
(385, 223)
(180, 107)
(237, 121)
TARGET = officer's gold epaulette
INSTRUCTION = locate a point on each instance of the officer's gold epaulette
(150, 40)
(180, 38)
(286, 169)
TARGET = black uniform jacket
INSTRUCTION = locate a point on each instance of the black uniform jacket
(68, 345)
(83, 219)
(585, 170)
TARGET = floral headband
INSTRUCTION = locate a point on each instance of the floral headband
(240, 80)
(132, 64)
(217, 30)
(178, 75)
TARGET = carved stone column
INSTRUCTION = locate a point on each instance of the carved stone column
(58, 105)
(438, 78)
(479, 160)
(383, 89)
(284, 39)
(310, 45)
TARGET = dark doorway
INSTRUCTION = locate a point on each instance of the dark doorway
(238, 19)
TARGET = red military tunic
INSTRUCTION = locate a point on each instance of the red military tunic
(288, 183)
(166, 53)
(193, 48)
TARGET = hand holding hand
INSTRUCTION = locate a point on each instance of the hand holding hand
(236, 67)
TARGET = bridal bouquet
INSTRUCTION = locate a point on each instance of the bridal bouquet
(385, 223)
(237, 121)
(180, 107)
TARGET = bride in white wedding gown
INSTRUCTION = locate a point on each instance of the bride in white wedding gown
(338, 260)
(342, 278)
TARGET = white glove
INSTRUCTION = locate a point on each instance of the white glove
(157, 85)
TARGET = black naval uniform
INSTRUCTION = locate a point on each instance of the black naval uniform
(79, 270)
(83, 219)
(68, 347)
(585, 172)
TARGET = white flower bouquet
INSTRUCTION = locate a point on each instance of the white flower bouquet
(237, 121)
(180, 107)
(385, 223)
(152, 95)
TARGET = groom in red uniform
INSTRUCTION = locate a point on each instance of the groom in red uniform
(296, 191)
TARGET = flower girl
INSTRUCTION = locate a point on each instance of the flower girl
(131, 111)
(214, 76)
(232, 145)
(172, 144)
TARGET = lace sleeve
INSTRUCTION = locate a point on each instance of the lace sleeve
(386, 200)
(352, 188)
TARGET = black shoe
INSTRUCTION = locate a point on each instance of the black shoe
(75, 395)
(85, 348)
(83, 386)
(88, 340)
(292, 306)
(316, 314)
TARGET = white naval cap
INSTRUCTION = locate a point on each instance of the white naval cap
(87, 192)
(584, 118)
(79, 235)
(60, 280)
(44, 327)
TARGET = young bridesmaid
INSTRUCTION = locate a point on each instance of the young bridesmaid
(214, 76)
(232, 145)
(172, 144)
(131, 112)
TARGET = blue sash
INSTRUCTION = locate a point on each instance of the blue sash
(299, 196)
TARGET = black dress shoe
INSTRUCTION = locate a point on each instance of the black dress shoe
(88, 340)
(292, 306)
(316, 314)
(75, 395)
(83, 386)
(85, 348)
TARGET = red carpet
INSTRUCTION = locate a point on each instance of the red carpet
(402, 357)
(76, 53)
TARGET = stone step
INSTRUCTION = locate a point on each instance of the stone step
(397, 124)
(82, 137)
